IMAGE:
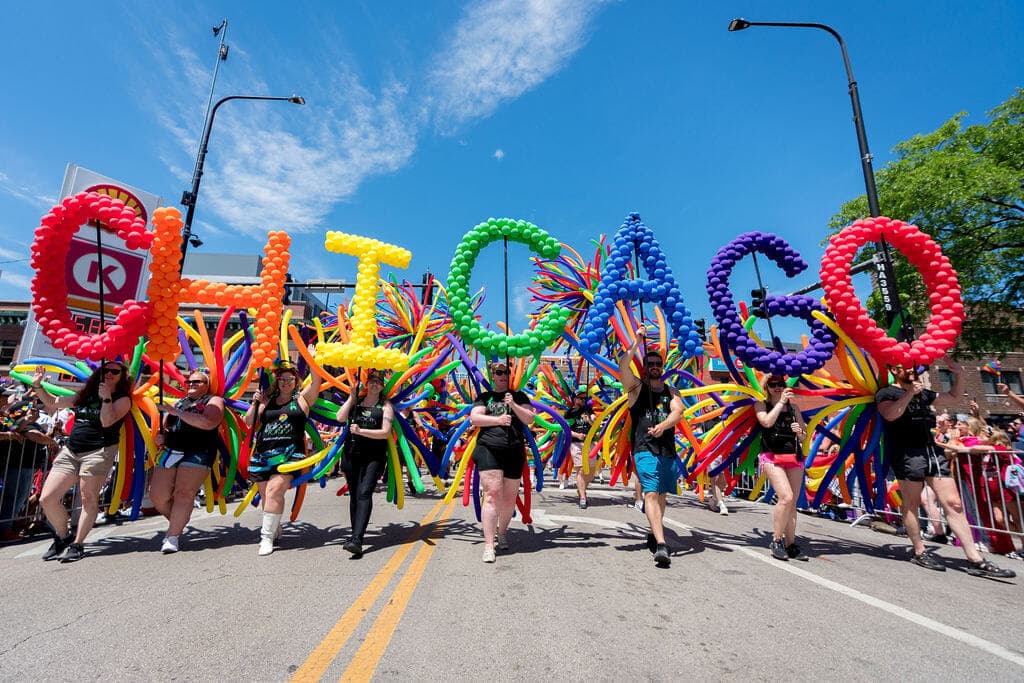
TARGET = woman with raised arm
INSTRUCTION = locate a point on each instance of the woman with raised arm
(100, 407)
(188, 439)
(365, 453)
(279, 418)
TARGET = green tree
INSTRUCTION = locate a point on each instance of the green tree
(965, 188)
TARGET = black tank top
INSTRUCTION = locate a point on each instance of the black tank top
(649, 409)
(182, 436)
(780, 437)
(282, 426)
(367, 417)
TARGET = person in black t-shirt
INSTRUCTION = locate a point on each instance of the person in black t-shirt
(279, 418)
(100, 407)
(188, 439)
(909, 444)
(580, 417)
(782, 460)
(655, 409)
(364, 454)
(499, 456)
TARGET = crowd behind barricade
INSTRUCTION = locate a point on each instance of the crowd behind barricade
(56, 455)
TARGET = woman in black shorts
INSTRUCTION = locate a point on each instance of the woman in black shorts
(188, 442)
(365, 453)
(499, 456)
(280, 416)
(100, 407)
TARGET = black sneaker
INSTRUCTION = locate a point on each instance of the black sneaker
(74, 553)
(661, 557)
(778, 550)
(652, 543)
(353, 547)
(794, 552)
(927, 561)
(57, 548)
(989, 570)
(939, 538)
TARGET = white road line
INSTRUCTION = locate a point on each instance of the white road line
(895, 610)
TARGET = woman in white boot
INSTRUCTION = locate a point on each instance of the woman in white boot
(280, 417)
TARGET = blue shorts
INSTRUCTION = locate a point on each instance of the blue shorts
(169, 459)
(657, 473)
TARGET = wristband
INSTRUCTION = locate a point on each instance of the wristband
(108, 400)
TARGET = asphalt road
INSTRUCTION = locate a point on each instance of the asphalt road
(577, 598)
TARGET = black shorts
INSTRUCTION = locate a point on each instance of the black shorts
(917, 464)
(509, 460)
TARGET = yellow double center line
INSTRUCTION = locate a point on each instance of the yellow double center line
(368, 656)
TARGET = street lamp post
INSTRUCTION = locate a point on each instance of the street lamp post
(188, 198)
(883, 262)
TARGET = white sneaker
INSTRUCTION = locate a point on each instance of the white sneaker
(170, 545)
(639, 506)
(722, 510)
(489, 553)
(266, 547)
(561, 486)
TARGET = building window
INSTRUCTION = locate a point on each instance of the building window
(1010, 378)
(7, 349)
(945, 381)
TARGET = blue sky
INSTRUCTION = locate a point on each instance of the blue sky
(425, 118)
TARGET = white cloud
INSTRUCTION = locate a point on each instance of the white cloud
(10, 254)
(16, 280)
(502, 49)
(25, 194)
(274, 165)
(499, 154)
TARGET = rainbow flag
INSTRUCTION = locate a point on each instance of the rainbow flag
(993, 368)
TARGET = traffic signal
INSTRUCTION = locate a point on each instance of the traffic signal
(701, 328)
(757, 305)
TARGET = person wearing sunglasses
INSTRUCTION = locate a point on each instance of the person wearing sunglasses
(188, 441)
(279, 418)
(499, 455)
(907, 423)
(655, 408)
(364, 454)
(782, 460)
(87, 457)
(580, 417)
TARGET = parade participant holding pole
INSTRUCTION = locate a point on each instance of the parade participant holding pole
(365, 453)
(100, 407)
(654, 409)
(279, 418)
(905, 407)
(499, 455)
(783, 461)
(188, 437)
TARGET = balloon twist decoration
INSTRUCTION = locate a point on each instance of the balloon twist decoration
(490, 343)
(947, 308)
(635, 238)
(734, 335)
(49, 287)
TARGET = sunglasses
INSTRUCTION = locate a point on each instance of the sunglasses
(193, 382)
(499, 373)
(777, 385)
(378, 380)
(286, 378)
(111, 371)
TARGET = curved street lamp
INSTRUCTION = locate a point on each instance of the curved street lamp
(884, 272)
(188, 198)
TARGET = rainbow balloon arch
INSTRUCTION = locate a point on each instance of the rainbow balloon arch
(436, 351)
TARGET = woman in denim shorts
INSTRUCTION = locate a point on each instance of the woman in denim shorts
(188, 439)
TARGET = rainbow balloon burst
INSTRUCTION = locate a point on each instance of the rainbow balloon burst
(569, 282)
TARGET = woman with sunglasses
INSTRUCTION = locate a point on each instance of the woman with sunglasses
(783, 462)
(188, 439)
(499, 456)
(364, 454)
(279, 416)
(100, 407)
